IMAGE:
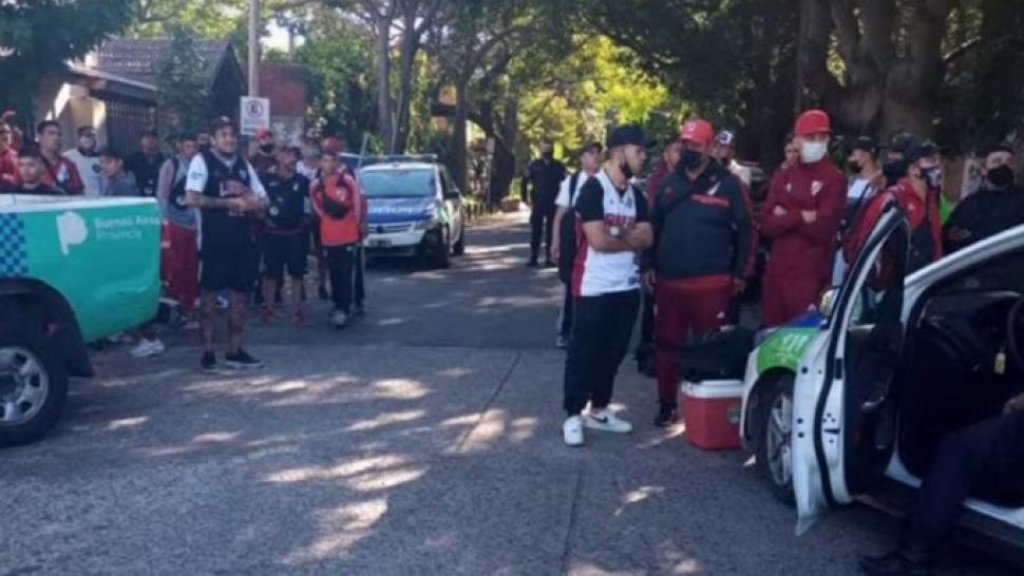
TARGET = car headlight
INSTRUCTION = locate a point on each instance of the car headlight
(425, 223)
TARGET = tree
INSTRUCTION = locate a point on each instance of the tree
(38, 36)
(181, 80)
(203, 18)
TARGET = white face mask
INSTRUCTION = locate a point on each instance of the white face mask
(811, 152)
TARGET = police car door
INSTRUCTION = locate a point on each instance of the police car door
(844, 413)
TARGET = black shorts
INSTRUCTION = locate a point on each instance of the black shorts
(229, 266)
(284, 250)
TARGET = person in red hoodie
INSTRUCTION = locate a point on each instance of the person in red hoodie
(337, 200)
(917, 195)
(801, 215)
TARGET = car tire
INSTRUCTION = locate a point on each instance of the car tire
(459, 248)
(39, 396)
(774, 442)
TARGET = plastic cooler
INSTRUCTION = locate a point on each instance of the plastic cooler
(711, 412)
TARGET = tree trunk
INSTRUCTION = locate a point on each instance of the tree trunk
(504, 171)
(406, 69)
(459, 134)
(384, 81)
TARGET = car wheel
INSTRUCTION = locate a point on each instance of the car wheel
(459, 248)
(440, 259)
(33, 384)
(775, 445)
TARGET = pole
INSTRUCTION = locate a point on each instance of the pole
(254, 47)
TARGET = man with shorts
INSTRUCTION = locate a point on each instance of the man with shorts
(224, 187)
(284, 242)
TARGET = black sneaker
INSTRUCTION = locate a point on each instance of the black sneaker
(242, 360)
(208, 361)
(666, 417)
(532, 263)
(549, 263)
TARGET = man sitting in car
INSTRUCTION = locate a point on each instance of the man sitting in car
(984, 460)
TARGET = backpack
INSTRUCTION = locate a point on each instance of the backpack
(567, 236)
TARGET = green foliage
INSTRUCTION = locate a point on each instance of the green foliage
(181, 81)
(338, 56)
(37, 36)
(214, 19)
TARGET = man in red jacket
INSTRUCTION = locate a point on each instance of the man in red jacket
(918, 196)
(801, 215)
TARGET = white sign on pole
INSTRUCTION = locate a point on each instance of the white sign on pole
(255, 115)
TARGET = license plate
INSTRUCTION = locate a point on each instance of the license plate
(380, 243)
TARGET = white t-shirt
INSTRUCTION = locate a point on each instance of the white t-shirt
(89, 169)
(857, 189)
(598, 273)
(198, 174)
(562, 200)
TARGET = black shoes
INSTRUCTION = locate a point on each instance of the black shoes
(895, 563)
(549, 263)
(208, 362)
(532, 263)
(666, 416)
(241, 360)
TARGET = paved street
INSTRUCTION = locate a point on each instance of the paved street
(424, 440)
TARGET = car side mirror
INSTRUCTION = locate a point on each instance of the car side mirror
(827, 302)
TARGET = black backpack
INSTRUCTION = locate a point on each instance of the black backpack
(567, 236)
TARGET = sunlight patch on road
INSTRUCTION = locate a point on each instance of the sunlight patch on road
(387, 419)
(125, 423)
(487, 431)
(340, 530)
(400, 389)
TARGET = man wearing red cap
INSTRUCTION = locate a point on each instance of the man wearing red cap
(802, 214)
(703, 235)
(264, 160)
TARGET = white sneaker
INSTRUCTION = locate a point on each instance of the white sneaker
(339, 319)
(607, 421)
(146, 348)
(572, 431)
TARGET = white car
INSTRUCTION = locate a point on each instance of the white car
(413, 210)
(867, 389)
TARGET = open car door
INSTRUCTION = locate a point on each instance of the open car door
(843, 406)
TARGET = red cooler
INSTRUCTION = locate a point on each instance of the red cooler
(711, 412)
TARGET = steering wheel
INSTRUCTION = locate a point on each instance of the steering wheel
(1014, 323)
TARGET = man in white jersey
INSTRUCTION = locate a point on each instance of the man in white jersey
(612, 229)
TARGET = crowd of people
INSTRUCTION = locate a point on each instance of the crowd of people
(234, 226)
(686, 246)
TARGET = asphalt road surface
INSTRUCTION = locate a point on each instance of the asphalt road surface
(424, 440)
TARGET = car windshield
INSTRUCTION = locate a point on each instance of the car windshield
(391, 183)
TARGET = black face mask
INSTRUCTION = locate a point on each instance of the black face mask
(894, 170)
(548, 154)
(267, 148)
(1001, 177)
(855, 167)
(626, 169)
(690, 159)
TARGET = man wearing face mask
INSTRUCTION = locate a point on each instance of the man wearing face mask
(996, 207)
(86, 159)
(918, 196)
(866, 180)
(264, 159)
(540, 187)
(894, 168)
(702, 256)
(611, 218)
(801, 215)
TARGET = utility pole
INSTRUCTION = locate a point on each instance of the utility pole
(254, 47)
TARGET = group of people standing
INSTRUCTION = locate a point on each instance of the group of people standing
(687, 246)
(233, 226)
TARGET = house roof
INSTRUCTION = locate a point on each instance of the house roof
(139, 59)
(285, 86)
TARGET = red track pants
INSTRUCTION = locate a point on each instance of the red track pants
(784, 298)
(680, 306)
(183, 268)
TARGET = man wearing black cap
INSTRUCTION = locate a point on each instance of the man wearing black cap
(918, 196)
(543, 178)
(563, 247)
(866, 180)
(613, 228)
(145, 164)
(895, 166)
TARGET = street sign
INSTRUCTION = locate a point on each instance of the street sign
(255, 115)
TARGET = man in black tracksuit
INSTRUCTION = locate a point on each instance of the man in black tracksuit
(997, 207)
(702, 255)
(540, 187)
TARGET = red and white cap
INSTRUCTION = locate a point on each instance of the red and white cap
(813, 122)
(697, 131)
